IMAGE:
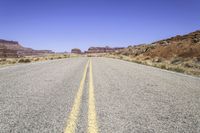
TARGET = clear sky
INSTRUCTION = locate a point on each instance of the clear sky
(60, 25)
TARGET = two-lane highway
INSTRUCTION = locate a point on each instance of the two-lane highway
(97, 95)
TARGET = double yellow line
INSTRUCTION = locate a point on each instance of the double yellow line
(73, 117)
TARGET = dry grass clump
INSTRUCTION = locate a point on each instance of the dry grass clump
(28, 59)
(24, 60)
(2, 59)
(163, 66)
(95, 54)
(177, 64)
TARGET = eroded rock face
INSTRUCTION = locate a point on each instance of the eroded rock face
(5, 51)
(102, 49)
(14, 49)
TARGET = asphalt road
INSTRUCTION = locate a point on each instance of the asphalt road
(97, 95)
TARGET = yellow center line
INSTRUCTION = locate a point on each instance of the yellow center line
(92, 121)
(72, 120)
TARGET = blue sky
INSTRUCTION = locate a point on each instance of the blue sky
(60, 25)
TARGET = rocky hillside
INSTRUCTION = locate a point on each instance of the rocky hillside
(14, 49)
(180, 52)
(186, 46)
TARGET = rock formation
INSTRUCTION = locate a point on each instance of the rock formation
(76, 51)
(14, 49)
(102, 49)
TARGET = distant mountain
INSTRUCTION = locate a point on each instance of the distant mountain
(14, 49)
(102, 49)
(76, 51)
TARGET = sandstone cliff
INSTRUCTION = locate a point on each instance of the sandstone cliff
(14, 49)
(102, 49)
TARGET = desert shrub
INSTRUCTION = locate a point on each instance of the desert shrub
(21, 61)
(163, 66)
(176, 60)
(157, 59)
(3, 59)
(13, 62)
(24, 60)
(27, 60)
(126, 53)
(189, 65)
(146, 58)
(121, 57)
(137, 61)
(145, 63)
(66, 56)
(176, 69)
(154, 65)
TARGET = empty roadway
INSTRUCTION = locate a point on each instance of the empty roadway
(116, 97)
